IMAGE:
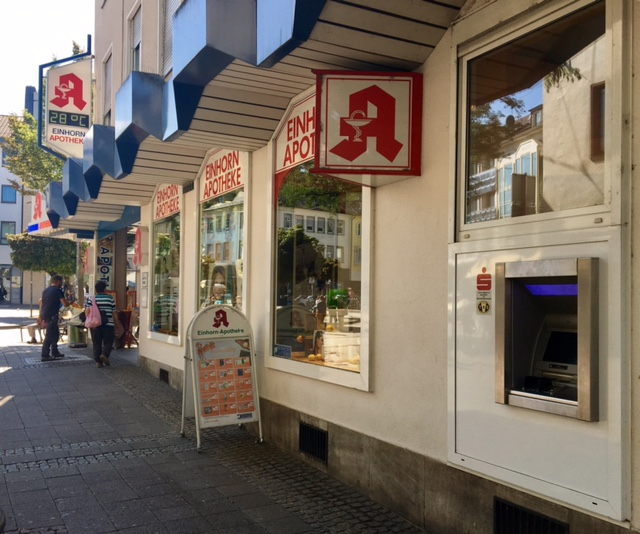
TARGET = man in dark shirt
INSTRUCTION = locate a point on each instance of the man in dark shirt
(52, 297)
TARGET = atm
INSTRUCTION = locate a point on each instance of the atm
(547, 336)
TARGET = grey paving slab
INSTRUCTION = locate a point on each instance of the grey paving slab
(88, 451)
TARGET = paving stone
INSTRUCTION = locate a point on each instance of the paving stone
(123, 463)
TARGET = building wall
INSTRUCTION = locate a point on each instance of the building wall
(394, 442)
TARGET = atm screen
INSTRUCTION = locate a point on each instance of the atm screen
(562, 347)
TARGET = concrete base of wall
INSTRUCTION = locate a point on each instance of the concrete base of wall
(435, 496)
(171, 375)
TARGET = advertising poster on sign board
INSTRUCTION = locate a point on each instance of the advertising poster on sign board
(220, 373)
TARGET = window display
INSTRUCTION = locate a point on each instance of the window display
(318, 316)
(166, 285)
(221, 248)
(535, 129)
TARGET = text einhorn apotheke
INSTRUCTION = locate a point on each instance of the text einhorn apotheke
(223, 175)
(300, 137)
(167, 201)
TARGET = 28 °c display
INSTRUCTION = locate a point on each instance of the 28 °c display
(69, 119)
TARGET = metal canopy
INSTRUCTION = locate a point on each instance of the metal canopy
(239, 105)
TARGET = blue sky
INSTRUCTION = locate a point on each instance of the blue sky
(33, 32)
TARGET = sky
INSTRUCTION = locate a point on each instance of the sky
(33, 32)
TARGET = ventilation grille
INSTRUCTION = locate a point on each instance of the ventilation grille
(164, 375)
(314, 442)
(509, 519)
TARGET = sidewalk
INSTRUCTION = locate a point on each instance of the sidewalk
(87, 450)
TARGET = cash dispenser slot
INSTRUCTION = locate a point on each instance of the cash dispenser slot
(547, 336)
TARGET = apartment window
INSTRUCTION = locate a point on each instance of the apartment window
(9, 195)
(321, 225)
(136, 40)
(169, 9)
(340, 227)
(311, 224)
(108, 81)
(331, 226)
(288, 220)
(300, 221)
(6, 227)
(340, 254)
(543, 80)
(597, 122)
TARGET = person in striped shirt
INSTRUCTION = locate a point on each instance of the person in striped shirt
(103, 336)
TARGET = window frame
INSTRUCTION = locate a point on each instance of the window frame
(169, 339)
(4, 233)
(609, 212)
(6, 187)
(357, 380)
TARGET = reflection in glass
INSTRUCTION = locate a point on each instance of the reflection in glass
(317, 297)
(533, 98)
(221, 249)
(166, 275)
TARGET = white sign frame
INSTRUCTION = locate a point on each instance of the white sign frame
(68, 107)
(230, 329)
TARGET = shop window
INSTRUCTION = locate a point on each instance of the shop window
(6, 227)
(314, 323)
(166, 284)
(528, 98)
(221, 272)
(9, 195)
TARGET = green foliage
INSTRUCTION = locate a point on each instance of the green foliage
(298, 254)
(563, 72)
(36, 253)
(35, 167)
(303, 189)
(488, 129)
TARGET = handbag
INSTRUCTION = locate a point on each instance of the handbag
(94, 319)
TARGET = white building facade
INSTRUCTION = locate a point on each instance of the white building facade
(477, 354)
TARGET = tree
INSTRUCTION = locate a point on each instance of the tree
(35, 167)
(36, 253)
(488, 129)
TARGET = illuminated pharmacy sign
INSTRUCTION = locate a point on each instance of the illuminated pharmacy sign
(68, 107)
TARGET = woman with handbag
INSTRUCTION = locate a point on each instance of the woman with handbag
(101, 320)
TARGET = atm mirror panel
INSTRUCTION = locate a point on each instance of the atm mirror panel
(546, 336)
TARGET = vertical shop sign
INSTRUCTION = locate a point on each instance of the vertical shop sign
(220, 371)
(223, 171)
(295, 142)
(104, 261)
(167, 201)
(368, 123)
(68, 107)
(39, 219)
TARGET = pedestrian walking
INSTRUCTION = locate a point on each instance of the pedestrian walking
(103, 336)
(52, 299)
